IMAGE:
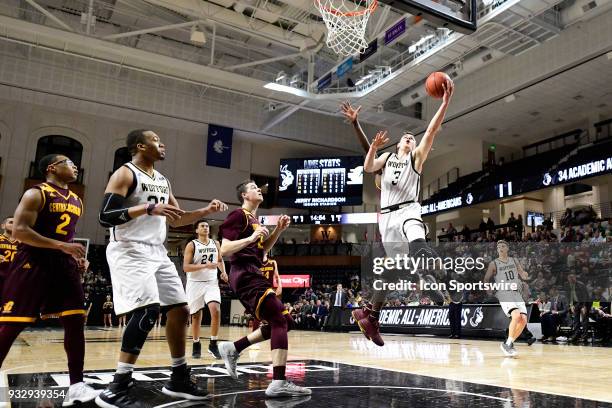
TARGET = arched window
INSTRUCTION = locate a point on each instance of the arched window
(122, 156)
(57, 144)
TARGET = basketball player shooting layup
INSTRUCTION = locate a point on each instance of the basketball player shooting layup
(200, 263)
(138, 203)
(45, 277)
(508, 270)
(400, 219)
(245, 242)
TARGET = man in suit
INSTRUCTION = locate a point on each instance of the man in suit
(318, 315)
(337, 301)
(552, 318)
(578, 295)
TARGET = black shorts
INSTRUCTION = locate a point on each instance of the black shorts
(45, 283)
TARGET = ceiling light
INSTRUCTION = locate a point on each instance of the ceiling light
(197, 35)
(284, 88)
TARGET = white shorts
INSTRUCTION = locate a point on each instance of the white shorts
(201, 293)
(510, 301)
(142, 275)
(400, 227)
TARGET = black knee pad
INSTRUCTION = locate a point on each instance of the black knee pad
(138, 328)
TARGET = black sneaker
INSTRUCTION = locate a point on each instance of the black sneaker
(197, 350)
(181, 385)
(531, 340)
(214, 350)
(116, 394)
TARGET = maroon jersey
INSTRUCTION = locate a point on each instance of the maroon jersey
(267, 270)
(59, 213)
(238, 225)
(8, 248)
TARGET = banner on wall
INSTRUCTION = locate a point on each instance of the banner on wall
(219, 146)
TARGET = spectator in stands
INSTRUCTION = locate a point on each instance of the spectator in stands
(567, 219)
(597, 238)
(511, 220)
(553, 316)
(603, 321)
(317, 317)
(490, 225)
(518, 226)
(451, 230)
(465, 233)
(482, 226)
(107, 309)
(338, 301)
(548, 224)
(577, 296)
(305, 312)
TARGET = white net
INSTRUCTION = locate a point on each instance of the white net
(346, 23)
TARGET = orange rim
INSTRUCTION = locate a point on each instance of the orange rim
(370, 9)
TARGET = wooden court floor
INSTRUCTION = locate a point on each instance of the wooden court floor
(573, 371)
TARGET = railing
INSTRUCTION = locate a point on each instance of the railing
(555, 142)
(450, 177)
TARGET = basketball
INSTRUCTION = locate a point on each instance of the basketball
(434, 82)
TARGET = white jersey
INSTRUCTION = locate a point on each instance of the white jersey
(400, 181)
(204, 254)
(507, 272)
(145, 189)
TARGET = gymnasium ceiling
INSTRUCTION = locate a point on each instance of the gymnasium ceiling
(249, 42)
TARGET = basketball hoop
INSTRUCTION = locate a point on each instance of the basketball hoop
(346, 23)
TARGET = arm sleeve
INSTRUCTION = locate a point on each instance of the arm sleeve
(113, 211)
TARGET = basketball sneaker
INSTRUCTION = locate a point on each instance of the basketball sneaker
(182, 385)
(197, 350)
(286, 402)
(370, 327)
(116, 394)
(509, 350)
(230, 357)
(213, 349)
(284, 388)
(81, 393)
(531, 340)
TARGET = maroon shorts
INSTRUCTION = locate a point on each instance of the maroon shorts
(44, 283)
(250, 286)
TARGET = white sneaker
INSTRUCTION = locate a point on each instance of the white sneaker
(230, 357)
(284, 388)
(79, 392)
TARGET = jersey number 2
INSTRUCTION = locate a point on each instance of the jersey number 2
(60, 228)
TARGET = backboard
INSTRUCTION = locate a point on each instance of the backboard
(457, 15)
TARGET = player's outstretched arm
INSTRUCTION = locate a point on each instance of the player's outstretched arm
(281, 225)
(522, 273)
(190, 217)
(373, 163)
(352, 115)
(114, 211)
(490, 272)
(424, 147)
(25, 218)
(224, 277)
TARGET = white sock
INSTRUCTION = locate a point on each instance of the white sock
(509, 341)
(277, 382)
(196, 340)
(213, 337)
(178, 361)
(124, 368)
